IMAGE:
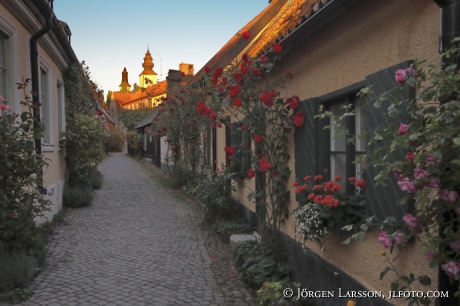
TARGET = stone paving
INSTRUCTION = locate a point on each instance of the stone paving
(138, 244)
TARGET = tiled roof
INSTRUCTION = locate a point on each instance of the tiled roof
(232, 42)
(151, 91)
(290, 17)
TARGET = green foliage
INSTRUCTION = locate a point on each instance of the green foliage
(135, 143)
(20, 295)
(213, 191)
(20, 198)
(95, 178)
(115, 141)
(77, 196)
(271, 294)
(259, 263)
(132, 117)
(227, 228)
(16, 270)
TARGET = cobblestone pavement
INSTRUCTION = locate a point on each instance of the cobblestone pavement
(138, 244)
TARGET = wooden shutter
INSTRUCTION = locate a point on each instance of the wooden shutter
(381, 201)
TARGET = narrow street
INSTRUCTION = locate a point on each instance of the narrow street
(138, 244)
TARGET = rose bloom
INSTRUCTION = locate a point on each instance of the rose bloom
(206, 69)
(399, 238)
(434, 183)
(454, 245)
(244, 127)
(449, 196)
(263, 59)
(415, 224)
(400, 76)
(237, 102)
(410, 156)
(258, 138)
(384, 239)
(298, 119)
(293, 102)
(432, 161)
(251, 173)
(403, 128)
(264, 165)
(420, 173)
(406, 185)
(245, 35)
(277, 48)
(451, 268)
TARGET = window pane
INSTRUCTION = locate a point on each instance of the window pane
(360, 125)
(337, 143)
(338, 165)
(3, 72)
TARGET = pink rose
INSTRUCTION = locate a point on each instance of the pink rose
(400, 76)
(403, 128)
(384, 239)
(451, 268)
(415, 224)
(420, 173)
(454, 245)
(5, 107)
(406, 185)
(399, 238)
(410, 156)
(1, 98)
(431, 161)
(396, 173)
(434, 183)
(449, 196)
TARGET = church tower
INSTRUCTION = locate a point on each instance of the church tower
(124, 86)
(148, 72)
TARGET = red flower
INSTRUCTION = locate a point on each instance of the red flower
(290, 75)
(301, 188)
(237, 102)
(274, 174)
(263, 59)
(207, 69)
(298, 119)
(201, 109)
(244, 127)
(318, 177)
(295, 183)
(245, 144)
(182, 74)
(318, 199)
(245, 35)
(337, 177)
(258, 138)
(330, 201)
(316, 187)
(332, 186)
(244, 57)
(277, 48)
(230, 150)
(251, 173)
(218, 72)
(219, 125)
(238, 77)
(351, 179)
(307, 178)
(233, 91)
(360, 183)
(293, 102)
(311, 196)
(267, 98)
(264, 165)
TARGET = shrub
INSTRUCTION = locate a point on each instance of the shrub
(135, 143)
(16, 270)
(115, 141)
(95, 178)
(227, 228)
(77, 196)
(259, 263)
(271, 293)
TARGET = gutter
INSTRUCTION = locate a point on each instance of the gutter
(36, 90)
(450, 28)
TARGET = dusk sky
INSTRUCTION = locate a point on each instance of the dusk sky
(110, 35)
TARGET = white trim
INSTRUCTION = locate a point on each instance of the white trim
(60, 112)
(49, 122)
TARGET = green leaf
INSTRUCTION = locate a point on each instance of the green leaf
(384, 272)
(394, 285)
(425, 280)
(457, 141)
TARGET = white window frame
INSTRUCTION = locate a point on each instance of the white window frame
(46, 109)
(60, 102)
(12, 96)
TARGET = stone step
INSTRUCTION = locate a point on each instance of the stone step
(234, 239)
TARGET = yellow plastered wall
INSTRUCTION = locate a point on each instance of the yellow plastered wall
(374, 36)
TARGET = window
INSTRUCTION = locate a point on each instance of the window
(45, 105)
(4, 69)
(61, 111)
(342, 152)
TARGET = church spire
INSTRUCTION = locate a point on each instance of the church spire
(124, 86)
(148, 72)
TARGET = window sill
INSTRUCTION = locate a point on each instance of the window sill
(47, 148)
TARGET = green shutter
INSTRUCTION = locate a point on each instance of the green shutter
(382, 201)
(236, 139)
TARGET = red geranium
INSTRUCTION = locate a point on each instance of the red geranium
(318, 177)
(258, 138)
(245, 35)
(360, 183)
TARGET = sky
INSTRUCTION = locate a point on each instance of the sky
(112, 34)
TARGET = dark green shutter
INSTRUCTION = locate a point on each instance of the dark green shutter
(246, 151)
(236, 140)
(382, 201)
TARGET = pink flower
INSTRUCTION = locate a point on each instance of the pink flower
(432, 161)
(449, 196)
(410, 156)
(451, 268)
(429, 255)
(406, 185)
(454, 245)
(434, 183)
(396, 173)
(399, 238)
(415, 224)
(384, 239)
(1, 98)
(403, 128)
(400, 76)
(420, 173)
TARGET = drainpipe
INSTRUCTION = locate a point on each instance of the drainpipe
(36, 90)
(450, 28)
